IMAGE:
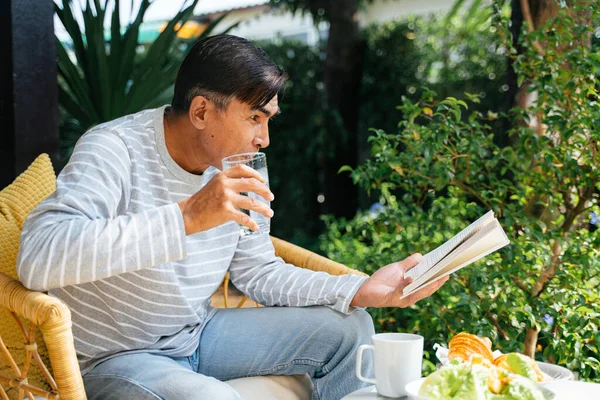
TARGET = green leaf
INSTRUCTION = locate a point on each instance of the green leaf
(77, 85)
(109, 78)
(454, 10)
(154, 57)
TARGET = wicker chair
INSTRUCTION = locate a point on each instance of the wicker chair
(37, 355)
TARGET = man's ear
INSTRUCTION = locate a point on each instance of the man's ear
(199, 110)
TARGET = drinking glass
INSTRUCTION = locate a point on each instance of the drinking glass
(258, 162)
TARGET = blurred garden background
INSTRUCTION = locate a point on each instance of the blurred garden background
(401, 123)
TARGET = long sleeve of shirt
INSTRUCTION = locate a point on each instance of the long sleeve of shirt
(81, 233)
(267, 279)
(111, 244)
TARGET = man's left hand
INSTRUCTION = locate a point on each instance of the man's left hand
(384, 288)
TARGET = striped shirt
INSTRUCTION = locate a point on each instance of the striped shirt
(111, 244)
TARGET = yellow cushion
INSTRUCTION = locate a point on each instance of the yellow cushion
(17, 200)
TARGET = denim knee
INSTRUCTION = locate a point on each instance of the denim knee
(362, 324)
(352, 330)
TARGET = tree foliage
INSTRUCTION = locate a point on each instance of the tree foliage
(442, 169)
(400, 57)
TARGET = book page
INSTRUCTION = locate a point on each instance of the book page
(433, 257)
(488, 240)
(463, 253)
(491, 241)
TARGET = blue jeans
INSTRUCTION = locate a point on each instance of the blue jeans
(246, 342)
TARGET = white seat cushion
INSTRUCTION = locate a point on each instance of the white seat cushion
(292, 387)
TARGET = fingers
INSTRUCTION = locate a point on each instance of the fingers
(426, 291)
(245, 179)
(401, 286)
(243, 171)
(244, 219)
(244, 185)
(251, 203)
(411, 261)
(220, 200)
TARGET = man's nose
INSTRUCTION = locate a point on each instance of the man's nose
(263, 140)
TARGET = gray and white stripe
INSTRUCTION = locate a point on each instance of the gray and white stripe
(111, 244)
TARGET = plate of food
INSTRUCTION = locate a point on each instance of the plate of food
(472, 385)
(472, 371)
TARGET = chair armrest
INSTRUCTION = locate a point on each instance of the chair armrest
(303, 258)
(54, 320)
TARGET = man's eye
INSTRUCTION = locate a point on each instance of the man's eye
(254, 118)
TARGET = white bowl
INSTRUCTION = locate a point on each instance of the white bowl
(412, 388)
(556, 372)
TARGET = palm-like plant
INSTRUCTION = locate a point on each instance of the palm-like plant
(110, 77)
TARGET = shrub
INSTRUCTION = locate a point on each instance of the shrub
(401, 56)
(452, 54)
(443, 169)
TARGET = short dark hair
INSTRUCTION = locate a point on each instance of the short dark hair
(224, 67)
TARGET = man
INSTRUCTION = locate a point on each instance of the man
(143, 227)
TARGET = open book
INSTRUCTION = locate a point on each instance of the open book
(477, 240)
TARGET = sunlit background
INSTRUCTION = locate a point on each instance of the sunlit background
(402, 122)
(260, 19)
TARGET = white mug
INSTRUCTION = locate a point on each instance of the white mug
(397, 360)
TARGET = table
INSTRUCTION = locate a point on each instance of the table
(564, 390)
(369, 393)
(574, 390)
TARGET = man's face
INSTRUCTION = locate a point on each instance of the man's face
(238, 129)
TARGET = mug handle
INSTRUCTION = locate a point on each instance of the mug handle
(359, 363)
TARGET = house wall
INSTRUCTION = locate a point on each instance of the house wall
(389, 10)
(264, 23)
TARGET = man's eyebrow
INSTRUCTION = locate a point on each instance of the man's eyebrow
(267, 112)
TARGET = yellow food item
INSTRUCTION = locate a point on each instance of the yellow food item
(497, 379)
(465, 346)
(472, 349)
(526, 363)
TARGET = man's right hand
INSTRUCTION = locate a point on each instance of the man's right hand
(218, 201)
